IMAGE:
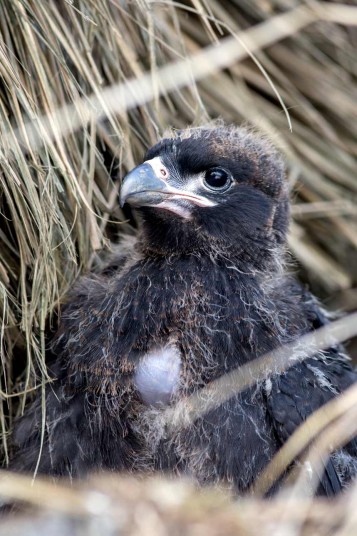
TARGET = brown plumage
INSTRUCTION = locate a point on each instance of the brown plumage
(201, 292)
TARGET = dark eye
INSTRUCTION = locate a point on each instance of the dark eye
(217, 179)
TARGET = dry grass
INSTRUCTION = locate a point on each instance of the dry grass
(87, 86)
(113, 506)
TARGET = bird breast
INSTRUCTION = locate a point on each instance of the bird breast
(157, 376)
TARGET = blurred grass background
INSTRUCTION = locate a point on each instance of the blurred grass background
(59, 177)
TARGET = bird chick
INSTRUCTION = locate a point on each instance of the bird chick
(201, 292)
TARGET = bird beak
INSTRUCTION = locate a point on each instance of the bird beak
(142, 187)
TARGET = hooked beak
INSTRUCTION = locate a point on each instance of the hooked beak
(142, 188)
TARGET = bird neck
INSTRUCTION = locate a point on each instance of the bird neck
(215, 254)
(163, 238)
(214, 268)
(201, 297)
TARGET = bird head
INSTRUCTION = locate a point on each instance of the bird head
(211, 189)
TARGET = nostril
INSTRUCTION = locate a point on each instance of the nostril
(163, 172)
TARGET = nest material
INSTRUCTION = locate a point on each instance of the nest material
(113, 506)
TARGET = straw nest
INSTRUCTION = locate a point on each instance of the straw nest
(87, 86)
(112, 506)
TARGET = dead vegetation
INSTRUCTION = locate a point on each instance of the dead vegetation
(125, 506)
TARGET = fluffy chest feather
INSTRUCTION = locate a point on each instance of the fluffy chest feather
(157, 375)
(127, 328)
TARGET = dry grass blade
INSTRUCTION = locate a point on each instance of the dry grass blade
(187, 411)
(139, 91)
(312, 427)
(117, 505)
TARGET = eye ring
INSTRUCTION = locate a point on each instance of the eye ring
(217, 179)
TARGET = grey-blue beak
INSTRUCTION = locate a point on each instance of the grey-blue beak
(141, 187)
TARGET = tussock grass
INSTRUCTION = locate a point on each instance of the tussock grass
(112, 505)
(87, 86)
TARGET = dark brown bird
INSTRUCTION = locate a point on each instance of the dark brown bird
(201, 292)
